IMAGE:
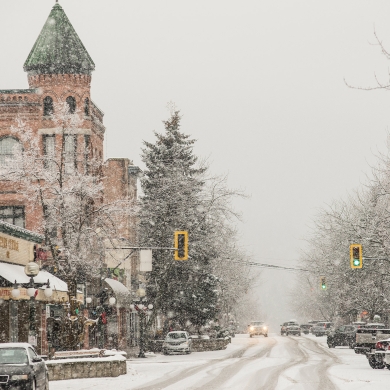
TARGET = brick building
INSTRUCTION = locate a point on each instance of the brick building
(59, 70)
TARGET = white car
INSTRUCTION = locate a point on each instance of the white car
(257, 328)
(179, 341)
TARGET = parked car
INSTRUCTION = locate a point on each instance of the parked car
(257, 328)
(22, 368)
(178, 341)
(343, 336)
(377, 358)
(305, 328)
(321, 328)
(314, 323)
(293, 329)
(366, 338)
(285, 325)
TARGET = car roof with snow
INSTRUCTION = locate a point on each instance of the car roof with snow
(15, 345)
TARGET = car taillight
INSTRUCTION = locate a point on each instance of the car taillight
(324, 325)
(379, 345)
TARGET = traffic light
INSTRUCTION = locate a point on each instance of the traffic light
(356, 255)
(323, 283)
(181, 244)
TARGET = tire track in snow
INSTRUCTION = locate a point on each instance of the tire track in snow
(158, 384)
(269, 376)
(231, 370)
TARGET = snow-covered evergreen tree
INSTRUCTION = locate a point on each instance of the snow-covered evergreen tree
(172, 200)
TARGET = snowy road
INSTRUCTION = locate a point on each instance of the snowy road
(270, 363)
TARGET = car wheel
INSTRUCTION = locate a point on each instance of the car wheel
(317, 335)
(330, 345)
(165, 352)
(250, 335)
(287, 334)
(188, 352)
(265, 335)
(300, 334)
(351, 345)
(374, 364)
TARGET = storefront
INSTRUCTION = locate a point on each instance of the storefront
(18, 247)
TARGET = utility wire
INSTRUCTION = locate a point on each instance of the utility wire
(264, 265)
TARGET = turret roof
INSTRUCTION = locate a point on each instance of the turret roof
(58, 49)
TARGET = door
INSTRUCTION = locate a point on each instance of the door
(39, 369)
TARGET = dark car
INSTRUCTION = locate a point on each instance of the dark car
(305, 328)
(21, 368)
(343, 336)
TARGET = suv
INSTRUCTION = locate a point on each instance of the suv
(343, 336)
(257, 328)
(322, 328)
(283, 328)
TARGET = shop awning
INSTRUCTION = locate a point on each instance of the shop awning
(121, 292)
(12, 272)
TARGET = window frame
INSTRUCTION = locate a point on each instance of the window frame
(14, 215)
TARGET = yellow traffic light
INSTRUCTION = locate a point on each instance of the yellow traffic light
(323, 285)
(181, 245)
(356, 255)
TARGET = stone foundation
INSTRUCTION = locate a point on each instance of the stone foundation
(94, 368)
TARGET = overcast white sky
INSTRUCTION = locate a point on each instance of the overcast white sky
(260, 86)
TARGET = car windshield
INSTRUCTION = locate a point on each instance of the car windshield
(180, 335)
(257, 323)
(13, 356)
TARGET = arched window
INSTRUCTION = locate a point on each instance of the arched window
(8, 147)
(71, 104)
(48, 106)
(86, 107)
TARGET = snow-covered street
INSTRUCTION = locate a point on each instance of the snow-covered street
(271, 363)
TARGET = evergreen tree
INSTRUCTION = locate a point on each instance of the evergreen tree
(172, 200)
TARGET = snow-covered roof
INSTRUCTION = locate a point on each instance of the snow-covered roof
(12, 272)
(20, 232)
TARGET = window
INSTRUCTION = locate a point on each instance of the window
(8, 147)
(70, 153)
(71, 101)
(87, 142)
(86, 107)
(49, 143)
(13, 215)
(48, 106)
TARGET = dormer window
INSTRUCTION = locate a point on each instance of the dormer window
(86, 107)
(71, 101)
(48, 108)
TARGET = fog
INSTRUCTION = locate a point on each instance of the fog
(260, 85)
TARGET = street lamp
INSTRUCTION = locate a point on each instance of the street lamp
(142, 310)
(31, 270)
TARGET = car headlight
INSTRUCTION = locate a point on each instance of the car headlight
(185, 343)
(252, 328)
(264, 327)
(19, 377)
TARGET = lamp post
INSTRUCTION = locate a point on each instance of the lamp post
(142, 308)
(31, 270)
